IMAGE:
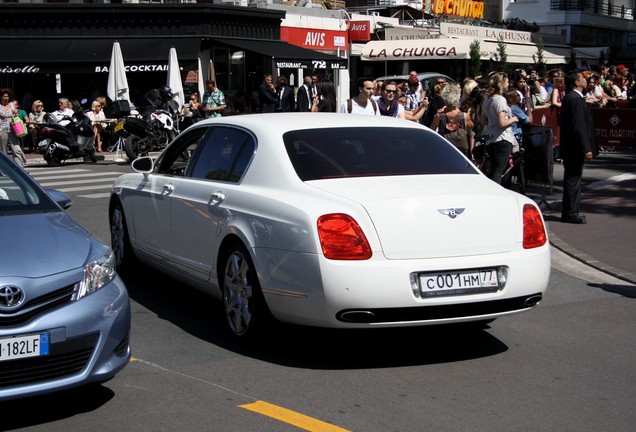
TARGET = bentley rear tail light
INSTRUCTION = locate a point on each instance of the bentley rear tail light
(341, 238)
(534, 234)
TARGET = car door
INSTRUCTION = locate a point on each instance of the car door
(152, 200)
(198, 206)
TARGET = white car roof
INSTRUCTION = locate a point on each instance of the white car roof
(279, 123)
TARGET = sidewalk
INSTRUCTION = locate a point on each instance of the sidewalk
(607, 242)
(35, 159)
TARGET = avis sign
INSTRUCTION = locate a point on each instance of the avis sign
(359, 31)
(317, 39)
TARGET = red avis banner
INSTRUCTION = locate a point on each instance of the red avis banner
(359, 31)
(316, 39)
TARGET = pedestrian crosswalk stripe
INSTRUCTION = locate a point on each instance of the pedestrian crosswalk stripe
(83, 188)
(96, 195)
(56, 170)
(90, 174)
(72, 182)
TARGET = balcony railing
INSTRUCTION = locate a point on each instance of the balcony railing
(599, 7)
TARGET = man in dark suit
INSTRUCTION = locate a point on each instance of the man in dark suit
(267, 95)
(304, 98)
(577, 145)
(285, 95)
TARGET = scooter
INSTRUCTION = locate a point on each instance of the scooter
(153, 128)
(57, 142)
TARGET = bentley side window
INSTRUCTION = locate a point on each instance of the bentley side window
(224, 156)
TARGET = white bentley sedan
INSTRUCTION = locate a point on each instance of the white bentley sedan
(331, 220)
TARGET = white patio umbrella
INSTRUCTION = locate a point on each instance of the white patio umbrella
(212, 71)
(174, 77)
(117, 83)
(201, 83)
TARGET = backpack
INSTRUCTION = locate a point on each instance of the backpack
(373, 102)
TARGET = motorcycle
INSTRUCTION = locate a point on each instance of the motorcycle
(57, 142)
(153, 128)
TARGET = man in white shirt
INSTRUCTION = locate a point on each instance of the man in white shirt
(63, 111)
(363, 103)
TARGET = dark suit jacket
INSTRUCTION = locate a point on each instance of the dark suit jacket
(303, 99)
(287, 101)
(577, 128)
(267, 99)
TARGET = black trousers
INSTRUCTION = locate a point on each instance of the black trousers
(572, 174)
(500, 154)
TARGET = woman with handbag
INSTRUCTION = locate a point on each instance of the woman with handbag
(451, 122)
(35, 116)
(7, 136)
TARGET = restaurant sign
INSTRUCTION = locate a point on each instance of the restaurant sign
(496, 34)
(461, 8)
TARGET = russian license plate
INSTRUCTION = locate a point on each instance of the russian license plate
(16, 347)
(458, 282)
(119, 126)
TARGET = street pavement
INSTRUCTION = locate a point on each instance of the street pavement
(607, 242)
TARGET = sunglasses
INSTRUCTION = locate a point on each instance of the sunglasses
(390, 91)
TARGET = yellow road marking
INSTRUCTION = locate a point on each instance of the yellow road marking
(291, 417)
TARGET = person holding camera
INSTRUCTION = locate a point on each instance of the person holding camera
(213, 102)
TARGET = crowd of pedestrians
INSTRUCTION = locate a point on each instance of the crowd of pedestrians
(498, 105)
(10, 110)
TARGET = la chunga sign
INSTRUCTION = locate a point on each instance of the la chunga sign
(462, 8)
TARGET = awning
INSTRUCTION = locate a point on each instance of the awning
(443, 48)
(40, 53)
(456, 49)
(286, 55)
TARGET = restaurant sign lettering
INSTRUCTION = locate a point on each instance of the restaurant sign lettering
(461, 8)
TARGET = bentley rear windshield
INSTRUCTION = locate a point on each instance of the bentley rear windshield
(366, 152)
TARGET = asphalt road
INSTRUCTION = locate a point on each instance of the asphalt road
(567, 365)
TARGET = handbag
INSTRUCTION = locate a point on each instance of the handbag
(17, 126)
(456, 134)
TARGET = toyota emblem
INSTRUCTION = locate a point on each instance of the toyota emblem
(11, 297)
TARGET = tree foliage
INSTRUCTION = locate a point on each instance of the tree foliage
(521, 25)
(501, 56)
(475, 58)
(572, 65)
(539, 60)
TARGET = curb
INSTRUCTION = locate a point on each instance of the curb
(111, 157)
(586, 259)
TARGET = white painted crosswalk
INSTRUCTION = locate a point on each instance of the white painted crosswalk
(80, 182)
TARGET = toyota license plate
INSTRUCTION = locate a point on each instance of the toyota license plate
(458, 282)
(17, 347)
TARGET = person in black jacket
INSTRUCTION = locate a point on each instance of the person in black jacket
(436, 102)
(304, 98)
(267, 95)
(576, 145)
(285, 95)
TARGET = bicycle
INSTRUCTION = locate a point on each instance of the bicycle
(516, 168)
